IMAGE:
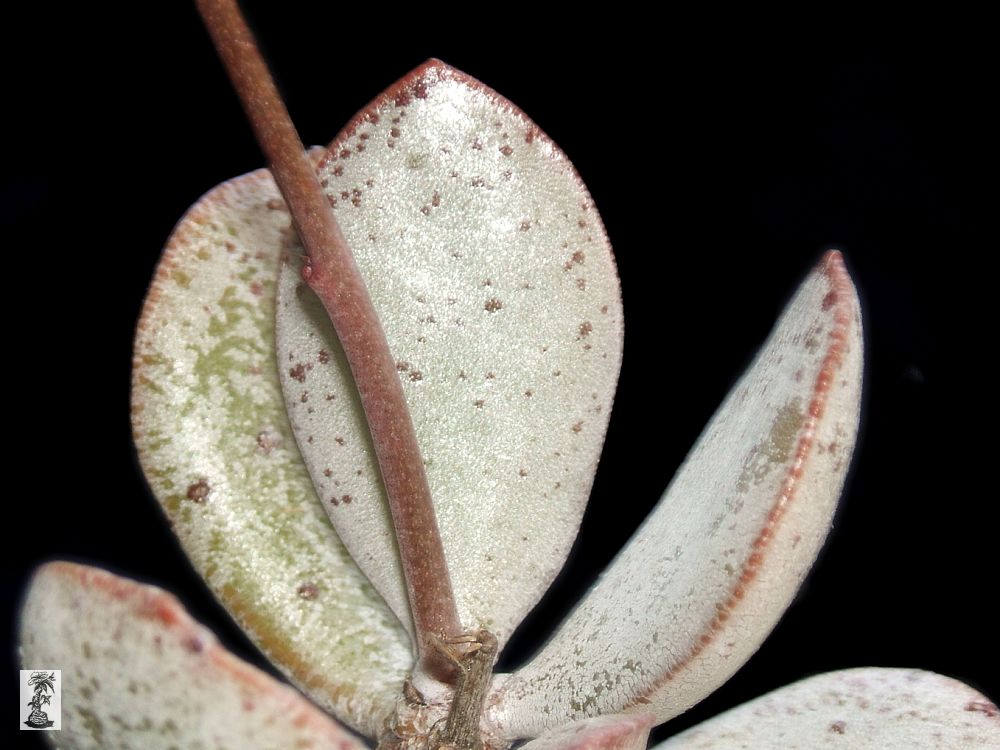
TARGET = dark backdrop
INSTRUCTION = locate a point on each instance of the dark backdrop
(722, 165)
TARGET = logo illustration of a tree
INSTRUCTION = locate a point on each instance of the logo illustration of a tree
(43, 683)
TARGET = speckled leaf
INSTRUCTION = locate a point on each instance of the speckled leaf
(710, 572)
(616, 732)
(857, 709)
(492, 275)
(214, 441)
(139, 673)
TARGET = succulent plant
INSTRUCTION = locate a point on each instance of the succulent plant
(493, 279)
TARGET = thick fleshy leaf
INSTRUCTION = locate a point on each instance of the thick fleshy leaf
(857, 709)
(495, 284)
(616, 732)
(214, 441)
(139, 673)
(708, 575)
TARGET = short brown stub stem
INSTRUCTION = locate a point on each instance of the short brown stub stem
(331, 272)
(473, 656)
(476, 671)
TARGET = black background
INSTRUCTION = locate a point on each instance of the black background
(722, 164)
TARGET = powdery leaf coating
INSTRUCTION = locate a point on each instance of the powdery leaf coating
(140, 673)
(859, 709)
(704, 580)
(495, 284)
(215, 444)
(616, 732)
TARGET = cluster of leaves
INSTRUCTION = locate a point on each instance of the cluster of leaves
(497, 291)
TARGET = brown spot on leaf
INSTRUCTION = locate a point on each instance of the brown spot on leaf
(578, 426)
(492, 305)
(416, 375)
(579, 257)
(327, 473)
(267, 441)
(402, 366)
(276, 204)
(522, 472)
(983, 707)
(346, 499)
(194, 644)
(298, 373)
(323, 357)
(838, 727)
(198, 491)
(308, 591)
(340, 440)
(478, 403)
(525, 225)
(586, 328)
(581, 284)
(506, 150)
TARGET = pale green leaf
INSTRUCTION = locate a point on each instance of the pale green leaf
(138, 673)
(494, 281)
(215, 444)
(704, 580)
(856, 709)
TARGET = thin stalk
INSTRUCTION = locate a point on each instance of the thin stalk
(332, 274)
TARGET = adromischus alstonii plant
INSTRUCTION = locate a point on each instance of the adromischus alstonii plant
(493, 280)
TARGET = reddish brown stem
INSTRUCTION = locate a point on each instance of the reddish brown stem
(331, 272)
